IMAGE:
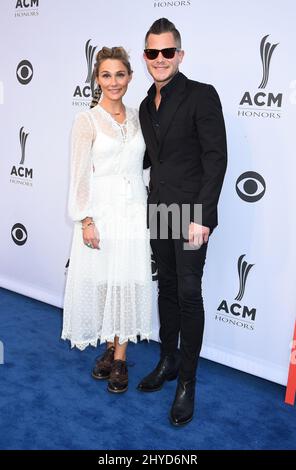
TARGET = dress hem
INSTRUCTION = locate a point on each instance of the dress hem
(110, 338)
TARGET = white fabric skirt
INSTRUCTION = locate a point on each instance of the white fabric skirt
(109, 291)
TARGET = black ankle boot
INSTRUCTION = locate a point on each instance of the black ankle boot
(166, 369)
(183, 406)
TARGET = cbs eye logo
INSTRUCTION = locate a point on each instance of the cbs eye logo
(19, 234)
(24, 72)
(250, 186)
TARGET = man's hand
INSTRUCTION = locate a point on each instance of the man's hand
(198, 234)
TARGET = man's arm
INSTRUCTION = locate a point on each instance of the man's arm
(146, 161)
(212, 136)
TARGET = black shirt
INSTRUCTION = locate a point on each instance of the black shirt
(167, 93)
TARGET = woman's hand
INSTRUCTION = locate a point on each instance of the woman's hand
(91, 236)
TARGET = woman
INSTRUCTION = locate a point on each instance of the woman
(109, 285)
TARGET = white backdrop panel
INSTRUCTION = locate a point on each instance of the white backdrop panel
(222, 45)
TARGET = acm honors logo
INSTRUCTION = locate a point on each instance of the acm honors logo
(236, 313)
(83, 93)
(250, 187)
(263, 103)
(172, 3)
(24, 8)
(21, 174)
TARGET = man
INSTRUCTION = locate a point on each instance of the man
(183, 127)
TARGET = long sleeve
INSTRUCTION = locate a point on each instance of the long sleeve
(211, 131)
(81, 169)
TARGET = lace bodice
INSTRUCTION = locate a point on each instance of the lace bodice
(101, 147)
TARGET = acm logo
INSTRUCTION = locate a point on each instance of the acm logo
(231, 312)
(252, 103)
(21, 174)
(27, 4)
(25, 8)
(83, 93)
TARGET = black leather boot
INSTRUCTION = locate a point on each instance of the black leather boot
(166, 369)
(183, 406)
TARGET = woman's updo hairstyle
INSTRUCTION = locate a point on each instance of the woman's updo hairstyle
(118, 53)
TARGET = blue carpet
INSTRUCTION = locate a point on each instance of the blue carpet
(48, 399)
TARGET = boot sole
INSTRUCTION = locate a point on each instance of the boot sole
(179, 425)
(100, 378)
(116, 391)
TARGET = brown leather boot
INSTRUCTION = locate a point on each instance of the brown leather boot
(103, 365)
(118, 381)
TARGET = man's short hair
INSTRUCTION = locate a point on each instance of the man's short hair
(163, 25)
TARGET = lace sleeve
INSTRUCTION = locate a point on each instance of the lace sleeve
(81, 170)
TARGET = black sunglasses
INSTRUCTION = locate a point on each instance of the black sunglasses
(168, 53)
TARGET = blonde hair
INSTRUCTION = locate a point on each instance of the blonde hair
(118, 53)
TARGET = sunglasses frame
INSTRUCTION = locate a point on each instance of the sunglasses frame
(175, 49)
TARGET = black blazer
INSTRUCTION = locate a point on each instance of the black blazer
(189, 163)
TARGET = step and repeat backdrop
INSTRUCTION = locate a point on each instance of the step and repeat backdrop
(246, 50)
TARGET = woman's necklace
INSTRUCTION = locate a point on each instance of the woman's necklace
(114, 114)
(120, 121)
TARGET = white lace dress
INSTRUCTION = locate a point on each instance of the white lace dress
(108, 291)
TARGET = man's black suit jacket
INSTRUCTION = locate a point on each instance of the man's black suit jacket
(189, 162)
